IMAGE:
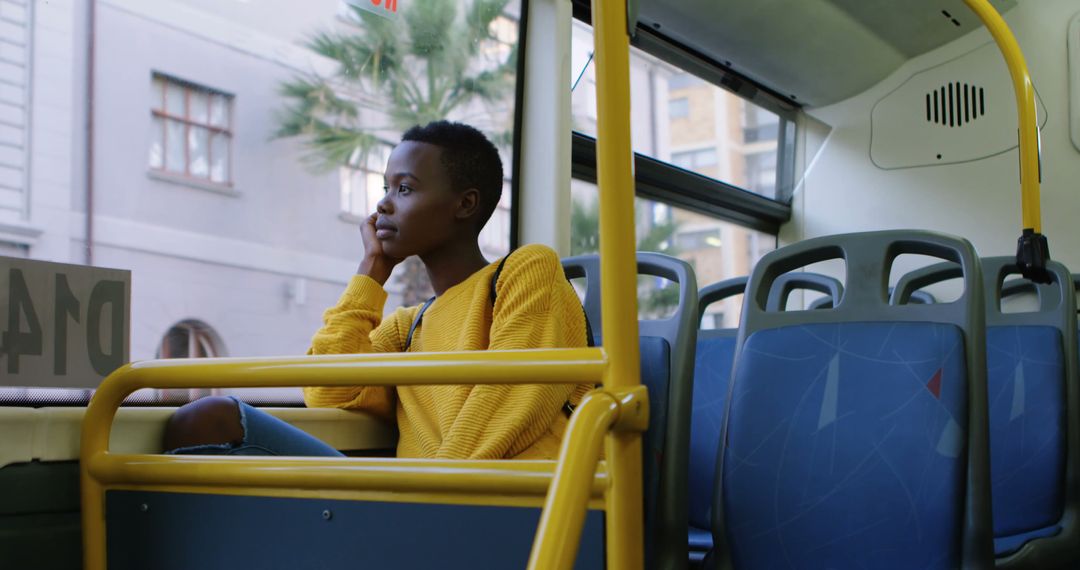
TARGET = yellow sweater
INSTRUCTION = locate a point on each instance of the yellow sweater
(535, 307)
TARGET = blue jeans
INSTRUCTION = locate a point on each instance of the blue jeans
(263, 435)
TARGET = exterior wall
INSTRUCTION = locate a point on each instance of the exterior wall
(251, 311)
(15, 53)
(54, 119)
(225, 258)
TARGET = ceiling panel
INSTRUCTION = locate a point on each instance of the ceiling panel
(819, 51)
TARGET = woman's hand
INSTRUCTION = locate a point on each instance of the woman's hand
(376, 264)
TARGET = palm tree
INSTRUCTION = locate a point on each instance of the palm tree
(585, 238)
(435, 61)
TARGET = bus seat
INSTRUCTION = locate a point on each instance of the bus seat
(917, 298)
(1031, 378)
(712, 370)
(712, 373)
(788, 283)
(857, 436)
(667, 358)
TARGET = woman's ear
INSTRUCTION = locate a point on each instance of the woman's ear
(468, 204)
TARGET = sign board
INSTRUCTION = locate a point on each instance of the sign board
(385, 8)
(62, 326)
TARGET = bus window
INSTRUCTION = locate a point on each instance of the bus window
(234, 150)
(716, 249)
(684, 120)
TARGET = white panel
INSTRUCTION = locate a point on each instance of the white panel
(11, 156)
(11, 177)
(12, 32)
(10, 199)
(12, 94)
(11, 136)
(14, 65)
(972, 117)
(12, 11)
(12, 53)
(12, 73)
(12, 114)
(1074, 79)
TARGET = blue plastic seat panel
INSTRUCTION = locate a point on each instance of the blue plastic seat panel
(184, 531)
(847, 447)
(1025, 386)
(1010, 544)
(712, 375)
(700, 538)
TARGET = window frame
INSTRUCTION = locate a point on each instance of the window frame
(161, 112)
(665, 182)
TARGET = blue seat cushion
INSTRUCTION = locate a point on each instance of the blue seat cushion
(712, 376)
(847, 447)
(1010, 544)
(1026, 391)
(700, 539)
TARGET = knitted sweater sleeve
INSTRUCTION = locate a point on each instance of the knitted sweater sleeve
(535, 307)
(351, 327)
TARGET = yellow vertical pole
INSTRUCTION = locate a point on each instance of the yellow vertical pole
(94, 440)
(559, 533)
(614, 163)
(1025, 108)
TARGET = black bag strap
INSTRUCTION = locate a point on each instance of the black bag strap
(420, 314)
(495, 279)
(416, 322)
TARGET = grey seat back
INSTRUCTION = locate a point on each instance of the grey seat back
(1032, 380)
(667, 359)
(713, 361)
(788, 283)
(857, 436)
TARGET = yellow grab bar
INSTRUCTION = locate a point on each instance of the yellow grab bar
(559, 533)
(1032, 250)
(98, 468)
(615, 179)
(518, 478)
(1025, 108)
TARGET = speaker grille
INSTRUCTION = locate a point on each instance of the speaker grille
(955, 104)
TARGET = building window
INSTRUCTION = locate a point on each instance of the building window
(186, 339)
(759, 125)
(694, 159)
(683, 80)
(189, 339)
(192, 131)
(761, 173)
(362, 181)
(679, 108)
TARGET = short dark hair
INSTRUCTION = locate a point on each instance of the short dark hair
(470, 160)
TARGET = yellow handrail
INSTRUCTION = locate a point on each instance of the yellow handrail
(98, 468)
(615, 179)
(1025, 107)
(559, 532)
